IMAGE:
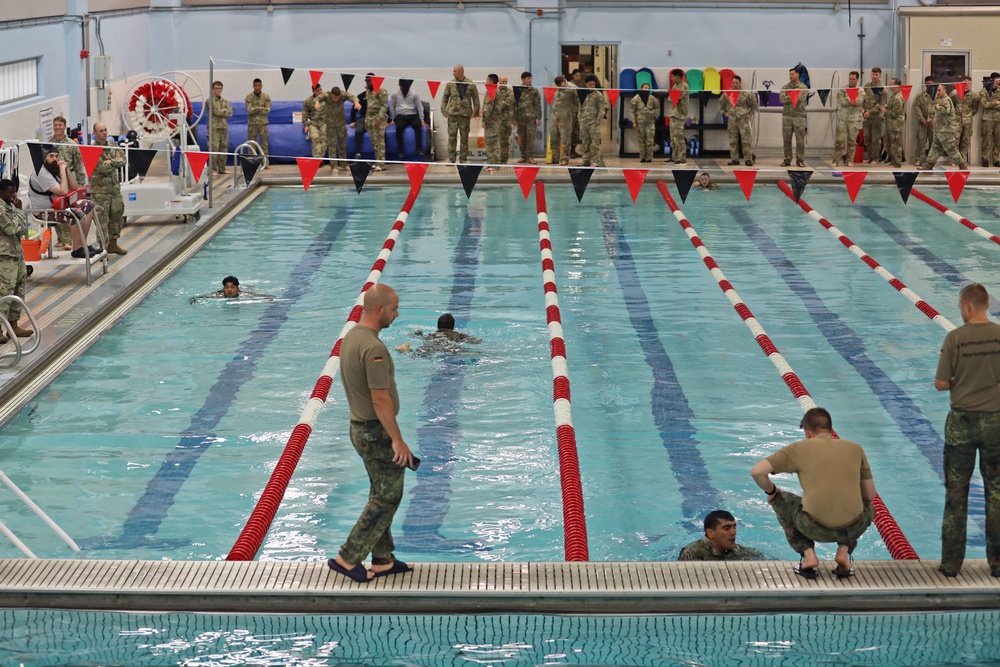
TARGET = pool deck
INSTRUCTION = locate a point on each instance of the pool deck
(72, 316)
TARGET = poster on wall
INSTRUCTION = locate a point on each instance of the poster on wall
(45, 117)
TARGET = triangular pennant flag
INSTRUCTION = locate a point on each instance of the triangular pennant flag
(580, 178)
(90, 155)
(347, 80)
(853, 181)
(582, 93)
(956, 182)
(550, 92)
(746, 179)
(733, 95)
(878, 93)
(469, 173)
(416, 172)
(906, 92)
(462, 87)
(526, 177)
(491, 90)
(518, 90)
(852, 95)
(315, 76)
(904, 183)
(197, 160)
(1, 143)
(684, 179)
(405, 85)
(250, 164)
(377, 82)
(308, 166)
(793, 95)
(675, 96)
(824, 95)
(644, 96)
(286, 74)
(433, 87)
(37, 156)
(764, 98)
(140, 159)
(799, 180)
(634, 178)
(613, 95)
(360, 171)
(960, 87)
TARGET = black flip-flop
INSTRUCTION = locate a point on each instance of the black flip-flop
(842, 573)
(806, 572)
(398, 567)
(358, 573)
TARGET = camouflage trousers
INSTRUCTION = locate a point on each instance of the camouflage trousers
(506, 130)
(944, 144)
(793, 126)
(13, 275)
(458, 130)
(678, 145)
(874, 127)
(847, 139)
(590, 136)
(110, 212)
(645, 133)
(220, 145)
(739, 131)
(371, 533)
(965, 433)
(923, 145)
(963, 133)
(376, 132)
(990, 136)
(561, 137)
(526, 137)
(493, 138)
(893, 144)
(336, 143)
(803, 532)
(258, 132)
(317, 137)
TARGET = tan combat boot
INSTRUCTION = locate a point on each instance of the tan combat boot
(18, 331)
(116, 249)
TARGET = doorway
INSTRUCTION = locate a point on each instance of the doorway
(946, 66)
(602, 59)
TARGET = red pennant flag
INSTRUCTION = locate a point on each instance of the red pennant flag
(491, 90)
(906, 92)
(746, 179)
(90, 155)
(733, 95)
(315, 76)
(550, 92)
(960, 87)
(433, 87)
(308, 166)
(852, 95)
(377, 82)
(853, 181)
(526, 177)
(613, 95)
(793, 95)
(197, 160)
(634, 178)
(675, 96)
(416, 171)
(956, 182)
(1, 143)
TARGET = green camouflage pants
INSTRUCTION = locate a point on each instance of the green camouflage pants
(923, 145)
(317, 137)
(493, 138)
(989, 135)
(220, 145)
(964, 133)
(526, 137)
(560, 137)
(458, 129)
(847, 139)
(803, 532)
(678, 145)
(645, 131)
(944, 144)
(258, 132)
(793, 126)
(739, 131)
(110, 211)
(590, 136)
(376, 132)
(371, 533)
(965, 433)
(874, 127)
(505, 131)
(336, 140)
(13, 275)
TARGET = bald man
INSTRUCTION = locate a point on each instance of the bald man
(368, 375)
(106, 189)
(459, 104)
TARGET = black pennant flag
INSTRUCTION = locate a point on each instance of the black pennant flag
(404, 85)
(644, 96)
(347, 79)
(684, 179)
(360, 171)
(799, 180)
(580, 178)
(469, 173)
(582, 93)
(462, 87)
(517, 93)
(764, 97)
(140, 159)
(904, 183)
(37, 156)
(286, 74)
(878, 93)
(824, 95)
(250, 164)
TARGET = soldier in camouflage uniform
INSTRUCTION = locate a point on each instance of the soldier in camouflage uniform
(68, 152)
(719, 541)
(793, 120)
(258, 107)
(507, 125)
(565, 106)
(595, 105)
(966, 108)
(106, 190)
(495, 116)
(849, 121)
(368, 375)
(739, 115)
(314, 118)
(459, 105)
(336, 126)
(895, 123)
(989, 130)
(645, 108)
(969, 367)
(874, 112)
(13, 272)
(528, 114)
(678, 117)
(923, 111)
(376, 119)
(944, 131)
(221, 113)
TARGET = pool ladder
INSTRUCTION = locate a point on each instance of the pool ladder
(41, 514)
(250, 149)
(19, 349)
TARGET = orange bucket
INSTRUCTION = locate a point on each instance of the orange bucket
(32, 249)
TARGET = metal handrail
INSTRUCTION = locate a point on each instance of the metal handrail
(74, 217)
(40, 513)
(18, 350)
(252, 148)
(9, 331)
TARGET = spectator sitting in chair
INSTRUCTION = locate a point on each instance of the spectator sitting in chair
(55, 180)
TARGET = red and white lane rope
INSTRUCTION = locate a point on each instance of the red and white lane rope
(956, 217)
(574, 518)
(252, 536)
(896, 543)
(915, 299)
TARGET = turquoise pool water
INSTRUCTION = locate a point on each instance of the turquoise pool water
(156, 443)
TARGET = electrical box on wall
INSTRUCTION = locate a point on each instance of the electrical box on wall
(103, 101)
(103, 68)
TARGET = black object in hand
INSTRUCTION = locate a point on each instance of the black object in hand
(416, 464)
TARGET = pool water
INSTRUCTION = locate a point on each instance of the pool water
(157, 442)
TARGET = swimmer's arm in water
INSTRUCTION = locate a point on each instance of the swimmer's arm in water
(213, 295)
(250, 292)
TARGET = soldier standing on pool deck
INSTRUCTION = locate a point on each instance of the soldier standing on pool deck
(459, 105)
(739, 121)
(969, 368)
(895, 123)
(678, 117)
(793, 120)
(923, 110)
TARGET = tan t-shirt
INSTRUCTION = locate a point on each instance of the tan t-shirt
(365, 364)
(970, 360)
(830, 473)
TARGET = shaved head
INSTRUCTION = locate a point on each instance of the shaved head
(100, 127)
(381, 307)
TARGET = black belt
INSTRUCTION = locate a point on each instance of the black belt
(368, 424)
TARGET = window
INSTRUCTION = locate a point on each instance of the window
(18, 80)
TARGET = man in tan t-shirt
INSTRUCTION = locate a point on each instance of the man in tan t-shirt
(368, 376)
(969, 367)
(837, 493)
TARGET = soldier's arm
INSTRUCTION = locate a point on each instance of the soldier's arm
(266, 106)
(106, 164)
(11, 223)
(475, 100)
